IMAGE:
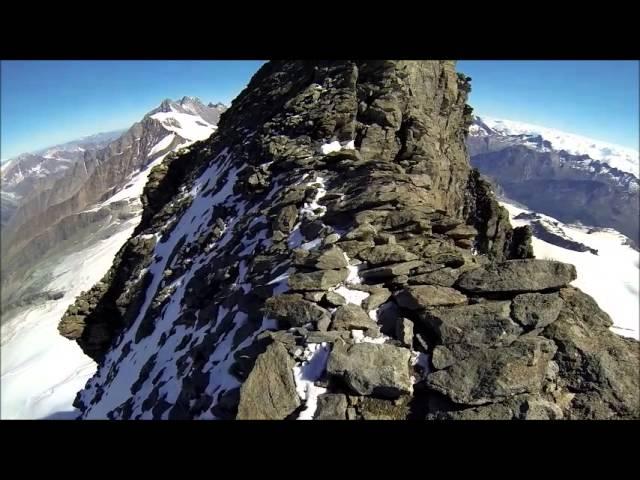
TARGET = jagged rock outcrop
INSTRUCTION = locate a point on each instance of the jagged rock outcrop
(330, 254)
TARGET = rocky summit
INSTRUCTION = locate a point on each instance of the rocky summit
(330, 254)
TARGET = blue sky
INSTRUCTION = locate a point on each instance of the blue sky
(597, 99)
(49, 102)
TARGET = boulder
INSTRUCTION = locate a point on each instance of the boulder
(386, 254)
(354, 247)
(389, 271)
(331, 406)
(269, 392)
(381, 370)
(332, 259)
(318, 280)
(377, 296)
(329, 259)
(294, 310)
(334, 299)
(536, 310)
(482, 324)
(598, 366)
(491, 375)
(462, 232)
(286, 219)
(420, 297)
(445, 277)
(515, 276)
(351, 317)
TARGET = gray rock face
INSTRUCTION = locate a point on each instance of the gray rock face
(599, 366)
(331, 259)
(385, 254)
(331, 406)
(372, 369)
(487, 375)
(351, 317)
(377, 296)
(269, 392)
(484, 324)
(334, 299)
(286, 219)
(404, 332)
(420, 297)
(294, 310)
(319, 280)
(389, 271)
(528, 275)
(536, 310)
(462, 232)
(445, 277)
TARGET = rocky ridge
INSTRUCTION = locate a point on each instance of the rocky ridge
(330, 254)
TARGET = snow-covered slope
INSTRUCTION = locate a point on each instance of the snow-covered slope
(612, 277)
(622, 158)
(41, 370)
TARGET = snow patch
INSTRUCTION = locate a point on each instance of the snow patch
(306, 373)
(612, 277)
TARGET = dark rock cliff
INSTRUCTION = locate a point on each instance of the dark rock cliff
(330, 254)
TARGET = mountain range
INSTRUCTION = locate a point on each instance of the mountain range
(328, 253)
(571, 178)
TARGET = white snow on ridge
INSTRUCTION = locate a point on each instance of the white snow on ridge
(622, 158)
(612, 277)
(162, 144)
(191, 127)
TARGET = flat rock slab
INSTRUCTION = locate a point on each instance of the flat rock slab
(516, 276)
(319, 280)
(269, 392)
(381, 370)
(390, 270)
(491, 375)
(420, 297)
(483, 324)
(445, 277)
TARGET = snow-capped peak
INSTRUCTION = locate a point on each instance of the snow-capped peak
(616, 156)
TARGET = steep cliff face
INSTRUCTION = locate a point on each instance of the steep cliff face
(330, 254)
(77, 197)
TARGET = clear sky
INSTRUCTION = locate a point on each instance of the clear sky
(48, 102)
(597, 99)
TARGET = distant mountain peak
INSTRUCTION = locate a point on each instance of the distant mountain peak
(616, 156)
